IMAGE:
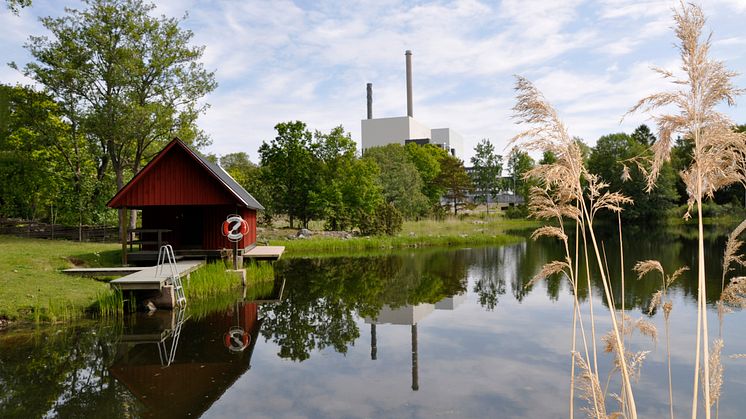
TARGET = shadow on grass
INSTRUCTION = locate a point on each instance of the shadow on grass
(102, 259)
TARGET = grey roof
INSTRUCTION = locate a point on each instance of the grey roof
(227, 180)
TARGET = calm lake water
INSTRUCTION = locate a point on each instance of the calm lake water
(421, 333)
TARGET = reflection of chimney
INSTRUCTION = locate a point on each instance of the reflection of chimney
(373, 342)
(415, 376)
(370, 100)
(408, 55)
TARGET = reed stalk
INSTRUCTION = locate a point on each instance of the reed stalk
(717, 159)
(561, 194)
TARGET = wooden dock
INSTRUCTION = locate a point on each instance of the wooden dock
(264, 253)
(113, 271)
(146, 279)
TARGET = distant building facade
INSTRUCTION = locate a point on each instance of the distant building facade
(378, 132)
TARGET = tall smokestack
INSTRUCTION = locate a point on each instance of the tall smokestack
(408, 55)
(370, 100)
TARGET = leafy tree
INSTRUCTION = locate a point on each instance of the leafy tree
(131, 80)
(548, 158)
(399, 179)
(643, 135)
(519, 163)
(28, 176)
(456, 182)
(487, 171)
(290, 166)
(386, 219)
(347, 191)
(251, 177)
(426, 159)
(607, 161)
(681, 158)
(16, 5)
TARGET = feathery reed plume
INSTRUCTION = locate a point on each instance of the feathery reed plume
(560, 195)
(734, 294)
(731, 255)
(717, 159)
(655, 302)
(590, 389)
(716, 371)
(548, 270)
(645, 266)
(660, 297)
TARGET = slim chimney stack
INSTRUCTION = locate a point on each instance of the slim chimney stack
(370, 100)
(408, 56)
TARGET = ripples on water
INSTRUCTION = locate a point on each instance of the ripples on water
(425, 333)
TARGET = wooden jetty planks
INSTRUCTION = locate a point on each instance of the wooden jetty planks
(146, 279)
(265, 252)
(112, 271)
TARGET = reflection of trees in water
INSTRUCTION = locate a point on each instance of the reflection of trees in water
(489, 266)
(672, 247)
(67, 375)
(321, 295)
(526, 259)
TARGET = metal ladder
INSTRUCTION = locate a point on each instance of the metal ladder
(166, 354)
(166, 255)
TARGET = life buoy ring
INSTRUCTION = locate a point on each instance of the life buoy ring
(237, 339)
(235, 227)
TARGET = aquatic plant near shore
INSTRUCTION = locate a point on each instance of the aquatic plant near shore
(213, 279)
(719, 153)
(661, 299)
(566, 191)
(109, 303)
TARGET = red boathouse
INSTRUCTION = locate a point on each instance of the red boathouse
(184, 200)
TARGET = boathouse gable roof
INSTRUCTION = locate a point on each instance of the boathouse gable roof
(180, 176)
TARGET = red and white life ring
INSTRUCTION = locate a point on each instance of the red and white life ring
(237, 339)
(235, 227)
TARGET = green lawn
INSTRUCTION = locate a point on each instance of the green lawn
(32, 286)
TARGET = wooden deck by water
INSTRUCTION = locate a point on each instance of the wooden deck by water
(111, 271)
(146, 279)
(264, 253)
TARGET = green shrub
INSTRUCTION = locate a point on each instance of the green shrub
(386, 219)
(518, 211)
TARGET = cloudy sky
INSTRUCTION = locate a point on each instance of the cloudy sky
(279, 60)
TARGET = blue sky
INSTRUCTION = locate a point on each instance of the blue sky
(279, 60)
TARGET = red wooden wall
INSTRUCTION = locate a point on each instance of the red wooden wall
(198, 227)
(176, 180)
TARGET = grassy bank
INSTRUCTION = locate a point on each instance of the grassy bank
(32, 286)
(468, 231)
(210, 288)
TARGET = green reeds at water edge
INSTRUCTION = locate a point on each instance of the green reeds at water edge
(208, 289)
(213, 279)
(110, 303)
(56, 310)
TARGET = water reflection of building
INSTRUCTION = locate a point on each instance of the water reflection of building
(208, 356)
(409, 315)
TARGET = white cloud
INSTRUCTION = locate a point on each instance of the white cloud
(278, 61)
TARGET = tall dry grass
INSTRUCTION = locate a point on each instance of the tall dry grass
(567, 192)
(661, 300)
(719, 153)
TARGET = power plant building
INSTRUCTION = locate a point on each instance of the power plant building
(405, 129)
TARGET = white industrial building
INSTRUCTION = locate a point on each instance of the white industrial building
(404, 129)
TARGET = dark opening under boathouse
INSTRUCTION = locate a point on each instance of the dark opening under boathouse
(184, 201)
